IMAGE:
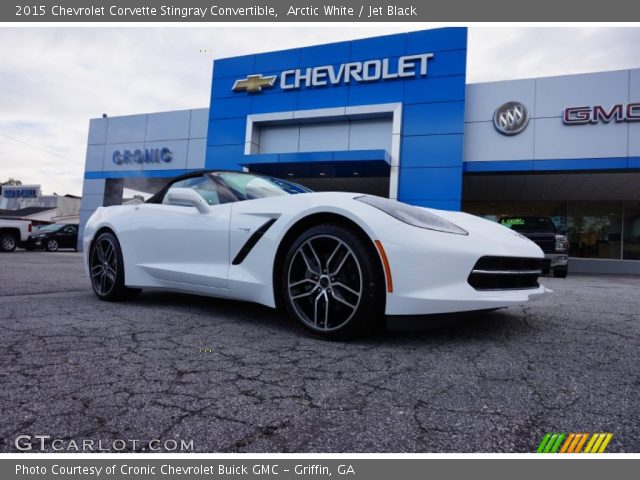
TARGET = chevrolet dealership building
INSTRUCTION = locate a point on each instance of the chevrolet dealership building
(394, 116)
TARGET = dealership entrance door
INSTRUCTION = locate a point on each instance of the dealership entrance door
(365, 171)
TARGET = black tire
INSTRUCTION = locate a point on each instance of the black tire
(105, 257)
(560, 272)
(52, 245)
(8, 242)
(332, 283)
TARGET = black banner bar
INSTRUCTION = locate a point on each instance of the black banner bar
(304, 468)
(319, 11)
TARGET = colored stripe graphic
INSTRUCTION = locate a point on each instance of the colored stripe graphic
(605, 442)
(598, 442)
(567, 442)
(580, 443)
(574, 442)
(556, 445)
(543, 443)
(550, 443)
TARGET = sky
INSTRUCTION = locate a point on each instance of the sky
(53, 80)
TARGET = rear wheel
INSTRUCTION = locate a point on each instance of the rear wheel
(52, 245)
(106, 269)
(8, 242)
(332, 283)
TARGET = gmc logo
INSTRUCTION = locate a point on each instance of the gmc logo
(617, 113)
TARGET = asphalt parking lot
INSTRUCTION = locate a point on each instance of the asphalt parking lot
(238, 377)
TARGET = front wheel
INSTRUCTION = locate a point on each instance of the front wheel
(106, 268)
(52, 245)
(8, 242)
(333, 284)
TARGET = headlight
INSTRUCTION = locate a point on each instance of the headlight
(418, 217)
(562, 244)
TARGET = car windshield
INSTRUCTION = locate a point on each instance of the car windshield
(247, 186)
(50, 228)
(529, 224)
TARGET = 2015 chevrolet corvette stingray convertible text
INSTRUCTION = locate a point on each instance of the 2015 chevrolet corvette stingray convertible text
(337, 262)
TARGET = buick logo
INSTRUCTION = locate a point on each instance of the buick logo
(511, 118)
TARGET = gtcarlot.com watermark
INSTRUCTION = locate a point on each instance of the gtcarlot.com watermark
(26, 443)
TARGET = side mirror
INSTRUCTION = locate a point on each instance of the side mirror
(187, 197)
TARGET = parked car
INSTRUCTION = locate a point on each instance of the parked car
(53, 237)
(12, 232)
(336, 261)
(544, 233)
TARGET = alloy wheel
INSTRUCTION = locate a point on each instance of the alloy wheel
(324, 282)
(104, 266)
(52, 245)
(8, 243)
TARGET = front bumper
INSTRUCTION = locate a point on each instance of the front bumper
(448, 300)
(431, 269)
(557, 259)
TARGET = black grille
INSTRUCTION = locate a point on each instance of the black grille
(547, 246)
(545, 241)
(506, 273)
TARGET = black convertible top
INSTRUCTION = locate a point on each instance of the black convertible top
(158, 196)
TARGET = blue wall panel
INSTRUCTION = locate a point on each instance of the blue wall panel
(231, 107)
(229, 67)
(275, 61)
(227, 157)
(227, 131)
(222, 87)
(324, 97)
(378, 47)
(436, 40)
(439, 89)
(448, 63)
(330, 54)
(279, 102)
(433, 106)
(368, 93)
(433, 118)
(429, 183)
(431, 151)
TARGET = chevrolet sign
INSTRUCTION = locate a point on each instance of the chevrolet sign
(408, 66)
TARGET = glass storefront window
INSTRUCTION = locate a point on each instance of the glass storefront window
(631, 249)
(495, 210)
(594, 230)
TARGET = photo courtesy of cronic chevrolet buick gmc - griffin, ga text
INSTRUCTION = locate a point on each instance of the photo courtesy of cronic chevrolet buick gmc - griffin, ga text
(337, 262)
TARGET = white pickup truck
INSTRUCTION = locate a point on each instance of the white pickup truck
(13, 232)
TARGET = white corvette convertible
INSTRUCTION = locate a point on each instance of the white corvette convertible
(337, 262)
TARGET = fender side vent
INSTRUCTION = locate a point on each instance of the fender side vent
(253, 240)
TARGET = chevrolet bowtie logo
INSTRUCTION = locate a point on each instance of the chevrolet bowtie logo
(253, 83)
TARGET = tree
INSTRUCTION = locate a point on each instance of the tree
(12, 182)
